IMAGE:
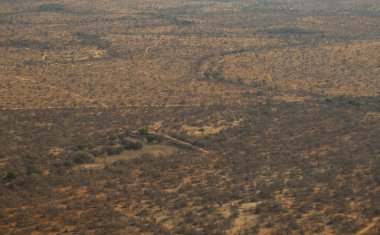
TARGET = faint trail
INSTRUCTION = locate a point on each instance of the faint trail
(181, 142)
(60, 90)
(3, 161)
(30, 49)
(371, 225)
(149, 47)
(39, 52)
(177, 141)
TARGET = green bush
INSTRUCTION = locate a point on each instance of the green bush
(83, 157)
(11, 175)
(83, 146)
(143, 131)
(113, 137)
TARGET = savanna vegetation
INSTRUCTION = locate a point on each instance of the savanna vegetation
(190, 117)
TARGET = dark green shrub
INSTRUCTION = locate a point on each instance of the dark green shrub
(68, 164)
(11, 175)
(83, 146)
(143, 131)
(83, 157)
(51, 7)
(113, 150)
(354, 103)
(113, 137)
(208, 137)
(182, 22)
(97, 152)
(133, 145)
(154, 138)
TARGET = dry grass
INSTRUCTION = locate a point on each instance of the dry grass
(268, 112)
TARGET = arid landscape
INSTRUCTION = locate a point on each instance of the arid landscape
(190, 117)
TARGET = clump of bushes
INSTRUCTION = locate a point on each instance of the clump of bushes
(342, 100)
(92, 40)
(182, 22)
(132, 144)
(354, 103)
(25, 43)
(151, 138)
(83, 146)
(289, 31)
(111, 150)
(52, 7)
(83, 157)
(154, 138)
(143, 131)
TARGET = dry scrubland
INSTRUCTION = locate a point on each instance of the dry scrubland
(190, 117)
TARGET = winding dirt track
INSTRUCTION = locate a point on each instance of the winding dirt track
(183, 143)
(371, 225)
(148, 48)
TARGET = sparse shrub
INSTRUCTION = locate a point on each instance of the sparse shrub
(143, 131)
(30, 158)
(213, 75)
(33, 168)
(336, 220)
(268, 206)
(128, 131)
(348, 226)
